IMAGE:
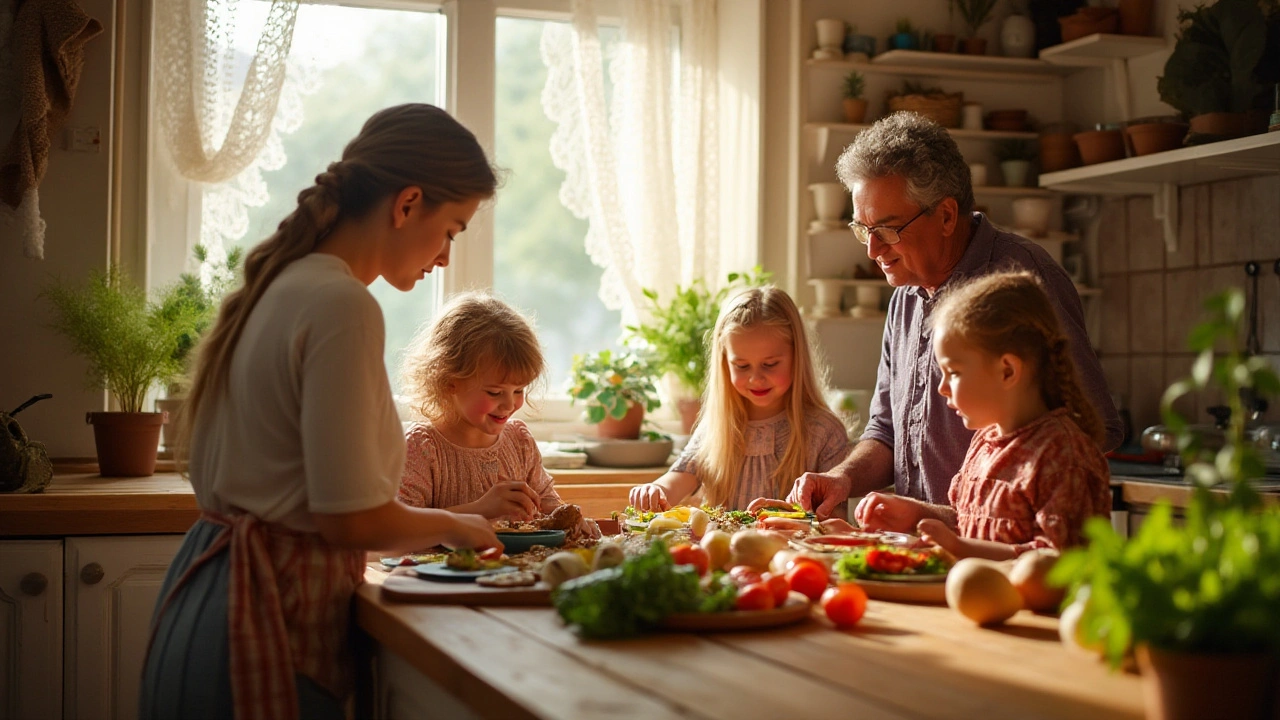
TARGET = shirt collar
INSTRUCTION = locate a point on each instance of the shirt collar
(976, 256)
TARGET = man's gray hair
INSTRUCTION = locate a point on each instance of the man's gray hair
(916, 149)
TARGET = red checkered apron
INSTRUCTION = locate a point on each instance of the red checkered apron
(288, 612)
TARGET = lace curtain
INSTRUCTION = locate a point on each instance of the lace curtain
(216, 131)
(642, 170)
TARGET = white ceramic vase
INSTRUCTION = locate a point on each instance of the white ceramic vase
(868, 302)
(1032, 214)
(1018, 36)
(978, 174)
(827, 294)
(829, 201)
(830, 34)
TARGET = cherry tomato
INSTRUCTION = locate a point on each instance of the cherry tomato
(808, 579)
(691, 555)
(892, 561)
(407, 561)
(490, 554)
(805, 559)
(779, 585)
(743, 575)
(756, 596)
(844, 604)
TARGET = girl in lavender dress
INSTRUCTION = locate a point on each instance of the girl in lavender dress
(763, 420)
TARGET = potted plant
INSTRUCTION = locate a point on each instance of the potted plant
(975, 14)
(617, 388)
(932, 102)
(855, 106)
(1015, 158)
(858, 47)
(904, 36)
(1197, 600)
(131, 345)
(676, 335)
(1223, 66)
(199, 293)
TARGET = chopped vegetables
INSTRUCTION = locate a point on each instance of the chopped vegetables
(624, 600)
(885, 560)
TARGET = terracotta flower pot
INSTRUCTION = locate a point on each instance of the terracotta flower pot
(855, 110)
(1135, 16)
(689, 409)
(944, 43)
(626, 428)
(1221, 126)
(1097, 146)
(1058, 152)
(1148, 138)
(974, 46)
(1189, 686)
(127, 443)
(1087, 21)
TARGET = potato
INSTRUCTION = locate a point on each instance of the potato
(1028, 577)
(979, 591)
(716, 543)
(662, 524)
(563, 566)
(607, 555)
(698, 521)
(755, 548)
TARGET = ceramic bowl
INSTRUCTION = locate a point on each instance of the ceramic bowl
(627, 453)
(514, 542)
(1032, 213)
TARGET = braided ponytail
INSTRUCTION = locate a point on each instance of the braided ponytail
(407, 145)
(1060, 387)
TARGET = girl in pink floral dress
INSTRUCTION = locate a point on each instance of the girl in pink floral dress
(1034, 472)
(466, 375)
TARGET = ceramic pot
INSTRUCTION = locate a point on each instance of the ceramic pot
(1010, 120)
(1148, 138)
(1016, 172)
(1135, 16)
(868, 301)
(126, 443)
(1058, 152)
(1018, 36)
(971, 113)
(1097, 146)
(829, 200)
(978, 174)
(1032, 213)
(827, 295)
(944, 43)
(855, 110)
(974, 46)
(903, 41)
(1087, 21)
(865, 44)
(830, 34)
(625, 428)
(1187, 686)
(1218, 126)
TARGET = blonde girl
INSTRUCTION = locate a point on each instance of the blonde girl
(295, 446)
(763, 420)
(466, 375)
(1033, 473)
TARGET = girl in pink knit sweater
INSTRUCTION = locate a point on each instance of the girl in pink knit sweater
(466, 375)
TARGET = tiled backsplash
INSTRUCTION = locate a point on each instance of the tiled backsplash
(1151, 298)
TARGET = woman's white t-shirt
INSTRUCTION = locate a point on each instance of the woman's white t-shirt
(305, 422)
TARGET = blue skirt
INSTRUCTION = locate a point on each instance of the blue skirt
(187, 672)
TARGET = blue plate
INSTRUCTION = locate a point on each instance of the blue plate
(440, 571)
(518, 542)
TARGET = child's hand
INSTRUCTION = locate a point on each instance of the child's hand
(937, 532)
(650, 497)
(508, 499)
(894, 513)
(471, 531)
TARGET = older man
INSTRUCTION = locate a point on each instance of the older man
(913, 209)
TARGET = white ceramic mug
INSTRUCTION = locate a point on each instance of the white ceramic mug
(978, 174)
(829, 200)
(972, 116)
(830, 34)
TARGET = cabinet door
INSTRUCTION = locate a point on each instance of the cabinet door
(30, 629)
(112, 584)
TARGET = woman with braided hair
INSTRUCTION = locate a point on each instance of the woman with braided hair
(1034, 472)
(292, 440)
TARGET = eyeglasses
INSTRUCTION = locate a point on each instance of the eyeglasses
(886, 234)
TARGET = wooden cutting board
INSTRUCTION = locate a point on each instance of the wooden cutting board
(399, 587)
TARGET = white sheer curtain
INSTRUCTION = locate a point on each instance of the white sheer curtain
(642, 169)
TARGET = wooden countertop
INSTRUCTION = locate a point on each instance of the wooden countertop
(901, 661)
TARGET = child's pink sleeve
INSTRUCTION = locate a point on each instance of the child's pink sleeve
(537, 477)
(1070, 494)
(418, 482)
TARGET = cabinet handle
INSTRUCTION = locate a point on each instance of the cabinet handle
(91, 574)
(33, 583)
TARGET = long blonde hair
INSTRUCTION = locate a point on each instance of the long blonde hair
(474, 333)
(724, 411)
(412, 145)
(1009, 312)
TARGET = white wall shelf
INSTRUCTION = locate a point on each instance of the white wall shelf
(1007, 191)
(958, 133)
(1099, 50)
(1161, 174)
(954, 66)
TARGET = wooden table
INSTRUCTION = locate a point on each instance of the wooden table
(901, 661)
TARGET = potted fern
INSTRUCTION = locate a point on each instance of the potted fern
(904, 36)
(975, 14)
(855, 106)
(131, 345)
(676, 334)
(1196, 600)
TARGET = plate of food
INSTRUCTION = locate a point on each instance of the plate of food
(522, 540)
(795, 609)
(891, 572)
(411, 560)
(464, 565)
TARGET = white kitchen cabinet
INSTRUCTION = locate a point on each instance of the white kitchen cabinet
(111, 585)
(30, 629)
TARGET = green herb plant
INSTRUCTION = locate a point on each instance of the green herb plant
(1211, 584)
(975, 13)
(853, 85)
(677, 334)
(611, 382)
(1226, 58)
(904, 27)
(131, 343)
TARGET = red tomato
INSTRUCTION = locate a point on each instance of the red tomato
(691, 555)
(805, 559)
(743, 575)
(891, 562)
(808, 579)
(779, 585)
(844, 604)
(490, 554)
(756, 596)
